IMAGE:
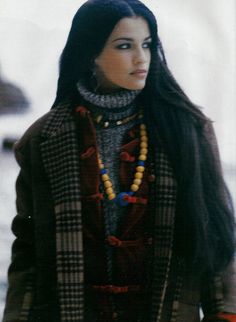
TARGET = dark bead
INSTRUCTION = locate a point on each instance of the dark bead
(150, 241)
(114, 315)
(132, 133)
(151, 178)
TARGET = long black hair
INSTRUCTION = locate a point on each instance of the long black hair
(204, 215)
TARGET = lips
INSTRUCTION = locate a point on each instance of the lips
(139, 72)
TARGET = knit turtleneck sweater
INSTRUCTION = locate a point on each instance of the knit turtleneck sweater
(109, 140)
(113, 107)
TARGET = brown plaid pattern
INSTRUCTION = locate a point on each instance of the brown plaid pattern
(28, 297)
(61, 160)
(214, 300)
(60, 155)
(163, 206)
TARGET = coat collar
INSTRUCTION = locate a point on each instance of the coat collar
(56, 118)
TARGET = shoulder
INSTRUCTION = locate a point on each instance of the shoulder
(32, 132)
(44, 126)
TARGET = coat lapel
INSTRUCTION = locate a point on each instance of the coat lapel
(163, 205)
(61, 160)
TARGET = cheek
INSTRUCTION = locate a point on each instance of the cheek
(149, 57)
(113, 64)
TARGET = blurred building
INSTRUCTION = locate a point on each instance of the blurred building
(12, 98)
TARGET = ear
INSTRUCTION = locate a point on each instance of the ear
(97, 60)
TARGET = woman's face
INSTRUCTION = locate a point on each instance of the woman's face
(125, 59)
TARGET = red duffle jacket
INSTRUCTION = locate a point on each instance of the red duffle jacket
(127, 296)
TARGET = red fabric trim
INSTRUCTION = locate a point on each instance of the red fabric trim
(137, 200)
(95, 196)
(113, 289)
(116, 242)
(125, 156)
(228, 316)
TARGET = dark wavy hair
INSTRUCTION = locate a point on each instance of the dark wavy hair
(204, 233)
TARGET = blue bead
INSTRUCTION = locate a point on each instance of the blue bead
(120, 199)
(141, 163)
(103, 171)
(131, 193)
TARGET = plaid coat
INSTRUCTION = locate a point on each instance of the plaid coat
(46, 276)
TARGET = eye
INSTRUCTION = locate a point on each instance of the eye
(147, 44)
(124, 46)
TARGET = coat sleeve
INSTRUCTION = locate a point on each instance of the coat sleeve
(219, 294)
(21, 269)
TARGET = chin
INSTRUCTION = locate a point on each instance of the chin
(136, 86)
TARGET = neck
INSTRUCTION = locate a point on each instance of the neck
(107, 90)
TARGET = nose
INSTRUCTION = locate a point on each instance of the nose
(141, 55)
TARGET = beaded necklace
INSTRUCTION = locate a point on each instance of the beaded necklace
(124, 198)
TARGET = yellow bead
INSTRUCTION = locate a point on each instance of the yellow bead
(107, 184)
(143, 127)
(144, 151)
(143, 145)
(138, 175)
(143, 133)
(134, 187)
(142, 157)
(144, 138)
(140, 168)
(137, 182)
(105, 177)
(111, 196)
(101, 166)
(99, 118)
(109, 191)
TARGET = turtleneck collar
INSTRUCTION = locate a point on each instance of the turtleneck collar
(114, 100)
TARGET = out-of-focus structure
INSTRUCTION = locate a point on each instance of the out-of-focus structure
(12, 98)
(13, 102)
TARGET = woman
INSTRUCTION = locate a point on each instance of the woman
(123, 214)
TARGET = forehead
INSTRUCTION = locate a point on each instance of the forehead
(135, 27)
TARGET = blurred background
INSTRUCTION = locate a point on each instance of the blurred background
(199, 41)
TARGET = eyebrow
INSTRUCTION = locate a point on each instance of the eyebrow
(130, 39)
